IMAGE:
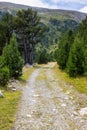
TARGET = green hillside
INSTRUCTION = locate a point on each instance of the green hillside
(56, 22)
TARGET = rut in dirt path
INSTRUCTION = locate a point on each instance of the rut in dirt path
(45, 105)
(26, 101)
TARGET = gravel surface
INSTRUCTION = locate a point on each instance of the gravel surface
(45, 105)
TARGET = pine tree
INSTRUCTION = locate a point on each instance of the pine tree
(85, 61)
(77, 62)
(6, 30)
(64, 46)
(28, 29)
(12, 58)
(76, 58)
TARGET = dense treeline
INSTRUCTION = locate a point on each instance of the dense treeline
(53, 27)
(20, 32)
(6, 29)
(29, 31)
(19, 36)
(44, 54)
(64, 46)
(26, 25)
(71, 54)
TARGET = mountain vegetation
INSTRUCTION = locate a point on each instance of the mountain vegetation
(77, 62)
(26, 25)
(62, 53)
(55, 23)
(6, 30)
(72, 52)
(28, 30)
(60, 36)
(11, 62)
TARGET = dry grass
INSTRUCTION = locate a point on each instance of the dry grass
(41, 76)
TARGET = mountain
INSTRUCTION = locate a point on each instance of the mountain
(56, 20)
(65, 13)
(78, 16)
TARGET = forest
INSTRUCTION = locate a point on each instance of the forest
(18, 36)
(71, 54)
(22, 38)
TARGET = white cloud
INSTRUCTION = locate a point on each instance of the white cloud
(55, 1)
(75, 1)
(28, 2)
(48, 4)
(34, 3)
(84, 9)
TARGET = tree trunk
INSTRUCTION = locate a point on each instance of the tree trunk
(31, 58)
(31, 55)
(25, 53)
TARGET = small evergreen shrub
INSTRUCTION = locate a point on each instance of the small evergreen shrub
(12, 58)
(4, 75)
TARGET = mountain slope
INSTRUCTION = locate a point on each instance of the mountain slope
(56, 20)
(78, 16)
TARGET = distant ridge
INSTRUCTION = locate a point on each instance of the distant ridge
(74, 14)
(57, 21)
(10, 5)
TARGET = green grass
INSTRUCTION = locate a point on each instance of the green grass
(9, 103)
(26, 74)
(8, 108)
(80, 83)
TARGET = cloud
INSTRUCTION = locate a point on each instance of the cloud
(34, 3)
(70, 1)
(67, 4)
(79, 5)
(38, 3)
(84, 9)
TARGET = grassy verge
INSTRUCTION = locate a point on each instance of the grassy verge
(80, 83)
(8, 108)
(26, 73)
(9, 103)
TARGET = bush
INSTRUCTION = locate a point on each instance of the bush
(2, 62)
(43, 58)
(4, 75)
(12, 58)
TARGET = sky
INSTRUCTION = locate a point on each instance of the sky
(79, 5)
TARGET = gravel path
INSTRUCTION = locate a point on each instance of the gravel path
(46, 106)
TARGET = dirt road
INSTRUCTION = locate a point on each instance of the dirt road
(49, 104)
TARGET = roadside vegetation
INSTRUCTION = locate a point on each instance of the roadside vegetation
(8, 108)
(27, 71)
(9, 102)
(80, 82)
(71, 54)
